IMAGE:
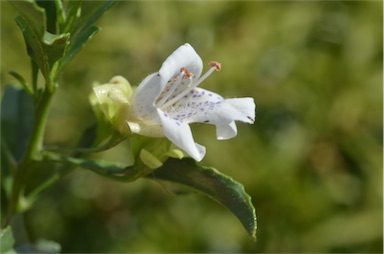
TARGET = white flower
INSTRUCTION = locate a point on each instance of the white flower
(166, 102)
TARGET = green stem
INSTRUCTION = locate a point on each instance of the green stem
(32, 153)
(41, 116)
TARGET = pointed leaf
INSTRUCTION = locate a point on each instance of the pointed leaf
(78, 42)
(216, 185)
(22, 82)
(73, 12)
(60, 12)
(90, 12)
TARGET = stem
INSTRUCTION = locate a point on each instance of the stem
(32, 153)
(41, 116)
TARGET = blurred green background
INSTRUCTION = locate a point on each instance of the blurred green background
(312, 161)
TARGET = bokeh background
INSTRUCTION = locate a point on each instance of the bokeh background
(312, 161)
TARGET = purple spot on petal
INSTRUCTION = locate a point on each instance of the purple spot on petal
(210, 94)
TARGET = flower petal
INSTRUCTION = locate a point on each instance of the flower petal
(144, 97)
(240, 109)
(226, 131)
(208, 107)
(180, 134)
(183, 57)
(227, 111)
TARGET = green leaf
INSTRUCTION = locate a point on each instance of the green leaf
(55, 46)
(7, 241)
(77, 43)
(16, 119)
(33, 14)
(90, 12)
(73, 12)
(81, 17)
(51, 14)
(60, 12)
(22, 82)
(45, 50)
(216, 185)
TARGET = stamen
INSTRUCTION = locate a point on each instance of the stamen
(177, 80)
(187, 73)
(215, 66)
(177, 97)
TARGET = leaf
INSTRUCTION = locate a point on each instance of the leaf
(73, 12)
(78, 43)
(22, 82)
(33, 14)
(90, 12)
(214, 184)
(16, 119)
(50, 13)
(7, 241)
(45, 50)
(60, 12)
(81, 17)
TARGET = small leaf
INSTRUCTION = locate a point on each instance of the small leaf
(60, 12)
(81, 17)
(90, 12)
(73, 12)
(7, 241)
(22, 82)
(216, 185)
(77, 43)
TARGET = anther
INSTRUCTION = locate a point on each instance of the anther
(187, 73)
(215, 64)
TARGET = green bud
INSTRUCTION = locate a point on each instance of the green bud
(111, 103)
